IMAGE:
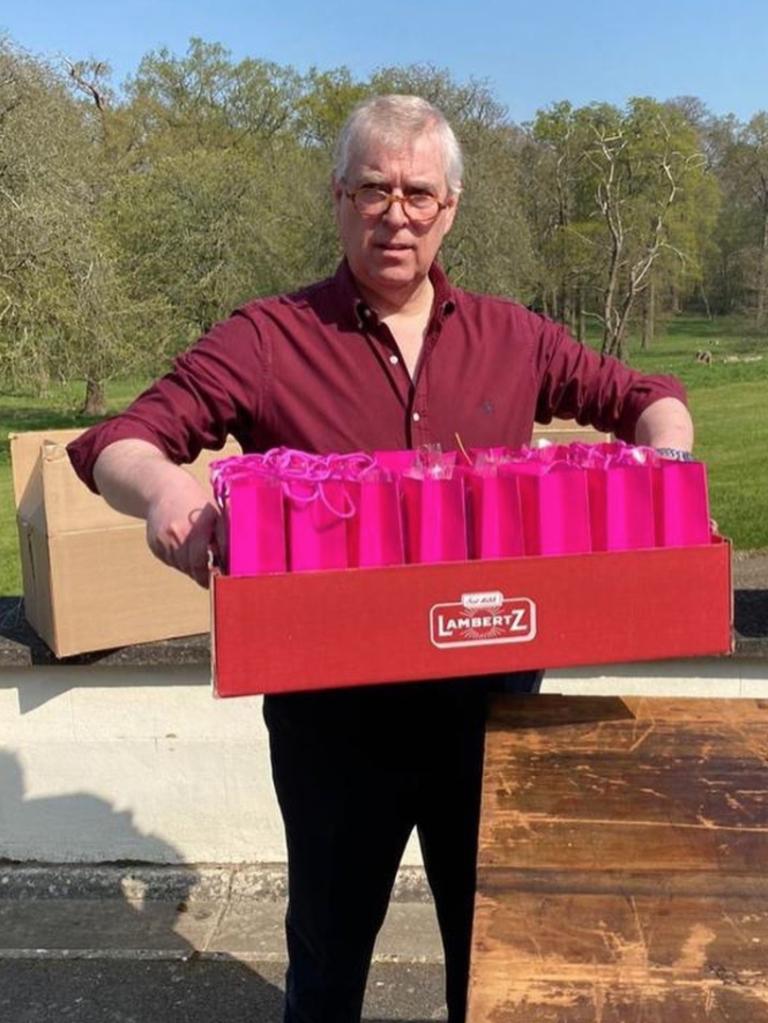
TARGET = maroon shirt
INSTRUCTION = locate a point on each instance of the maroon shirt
(316, 370)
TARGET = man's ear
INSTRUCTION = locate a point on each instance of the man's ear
(450, 213)
(337, 190)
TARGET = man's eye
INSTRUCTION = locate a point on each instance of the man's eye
(421, 200)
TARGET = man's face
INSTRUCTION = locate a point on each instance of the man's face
(390, 254)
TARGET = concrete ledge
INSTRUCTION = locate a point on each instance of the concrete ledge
(263, 882)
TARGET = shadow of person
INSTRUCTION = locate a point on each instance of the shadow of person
(95, 942)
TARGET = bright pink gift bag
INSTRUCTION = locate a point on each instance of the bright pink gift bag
(375, 531)
(316, 524)
(682, 504)
(494, 514)
(621, 507)
(555, 507)
(256, 527)
(415, 461)
(435, 519)
(250, 498)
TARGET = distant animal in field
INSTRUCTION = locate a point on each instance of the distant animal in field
(704, 356)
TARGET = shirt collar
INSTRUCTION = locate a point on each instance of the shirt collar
(361, 314)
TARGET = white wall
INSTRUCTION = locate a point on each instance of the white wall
(102, 764)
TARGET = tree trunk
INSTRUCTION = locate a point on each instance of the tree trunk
(762, 280)
(581, 319)
(705, 300)
(649, 316)
(95, 403)
(573, 309)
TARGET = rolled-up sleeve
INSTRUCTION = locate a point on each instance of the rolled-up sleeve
(215, 388)
(575, 382)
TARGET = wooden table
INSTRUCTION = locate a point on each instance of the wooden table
(623, 862)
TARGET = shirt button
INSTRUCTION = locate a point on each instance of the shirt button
(394, 360)
(416, 417)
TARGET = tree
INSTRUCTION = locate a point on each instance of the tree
(746, 163)
(64, 309)
(627, 185)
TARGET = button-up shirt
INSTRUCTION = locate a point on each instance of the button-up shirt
(317, 370)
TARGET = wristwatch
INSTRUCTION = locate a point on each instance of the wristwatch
(675, 454)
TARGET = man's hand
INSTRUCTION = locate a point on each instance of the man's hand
(137, 479)
(181, 531)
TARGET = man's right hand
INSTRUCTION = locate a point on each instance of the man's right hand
(137, 479)
(181, 529)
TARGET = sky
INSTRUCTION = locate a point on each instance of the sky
(530, 54)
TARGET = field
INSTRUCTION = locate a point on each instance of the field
(728, 398)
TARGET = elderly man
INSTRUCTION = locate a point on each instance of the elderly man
(385, 354)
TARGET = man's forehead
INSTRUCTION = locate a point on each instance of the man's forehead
(420, 161)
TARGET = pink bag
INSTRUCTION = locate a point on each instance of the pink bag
(621, 507)
(435, 519)
(415, 461)
(256, 528)
(682, 504)
(375, 532)
(555, 507)
(494, 514)
(396, 462)
(316, 524)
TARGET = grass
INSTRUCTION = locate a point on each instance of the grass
(729, 401)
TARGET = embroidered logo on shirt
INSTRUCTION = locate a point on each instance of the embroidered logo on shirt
(483, 619)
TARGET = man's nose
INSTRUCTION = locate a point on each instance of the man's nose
(395, 216)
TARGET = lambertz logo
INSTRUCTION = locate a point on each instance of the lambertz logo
(482, 619)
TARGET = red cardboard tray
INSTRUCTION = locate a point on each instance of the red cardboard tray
(319, 630)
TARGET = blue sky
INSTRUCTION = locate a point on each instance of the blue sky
(531, 54)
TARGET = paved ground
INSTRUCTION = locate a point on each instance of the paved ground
(107, 960)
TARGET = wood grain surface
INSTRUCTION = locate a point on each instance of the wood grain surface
(622, 868)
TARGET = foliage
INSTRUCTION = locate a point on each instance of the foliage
(627, 194)
(129, 222)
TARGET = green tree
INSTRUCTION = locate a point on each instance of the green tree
(64, 309)
(630, 186)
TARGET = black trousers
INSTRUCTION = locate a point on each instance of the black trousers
(355, 771)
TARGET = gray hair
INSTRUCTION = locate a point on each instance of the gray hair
(393, 120)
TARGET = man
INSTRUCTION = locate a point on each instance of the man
(386, 354)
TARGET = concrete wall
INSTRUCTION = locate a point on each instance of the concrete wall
(104, 764)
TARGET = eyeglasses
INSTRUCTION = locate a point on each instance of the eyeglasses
(370, 201)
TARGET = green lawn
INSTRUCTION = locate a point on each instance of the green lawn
(729, 401)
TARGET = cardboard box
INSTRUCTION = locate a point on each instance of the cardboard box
(567, 431)
(315, 630)
(90, 581)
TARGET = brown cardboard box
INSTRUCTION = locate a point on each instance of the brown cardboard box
(90, 581)
(566, 431)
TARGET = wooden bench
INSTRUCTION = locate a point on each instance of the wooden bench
(623, 862)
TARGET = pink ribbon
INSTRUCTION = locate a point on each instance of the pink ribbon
(293, 469)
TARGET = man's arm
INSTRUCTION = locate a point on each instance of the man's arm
(665, 424)
(136, 478)
(134, 459)
(574, 381)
